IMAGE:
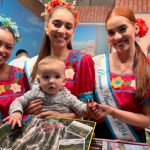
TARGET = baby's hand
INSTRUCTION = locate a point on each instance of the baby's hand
(14, 118)
(97, 110)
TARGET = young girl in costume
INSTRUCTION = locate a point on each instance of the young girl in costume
(13, 81)
(123, 80)
(60, 23)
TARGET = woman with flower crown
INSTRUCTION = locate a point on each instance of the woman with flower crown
(60, 23)
(122, 80)
(13, 81)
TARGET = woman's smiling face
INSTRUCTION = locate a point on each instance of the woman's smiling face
(6, 45)
(121, 33)
(60, 27)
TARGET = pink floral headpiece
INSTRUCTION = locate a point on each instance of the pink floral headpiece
(55, 3)
(142, 27)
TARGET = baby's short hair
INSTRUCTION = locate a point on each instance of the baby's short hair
(50, 60)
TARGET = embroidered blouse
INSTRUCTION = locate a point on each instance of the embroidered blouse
(80, 75)
(11, 88)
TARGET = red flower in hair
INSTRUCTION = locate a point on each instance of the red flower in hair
(143, 28)
(54, 3)
(47, 9)
(76, 14)
(68, 5)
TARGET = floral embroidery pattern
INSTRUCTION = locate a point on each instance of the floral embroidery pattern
(74, 60)
(2, 89)
(15, 87)
(69, 73)
(19, 75)
(75, 57)
(133, 83)
(117, 82)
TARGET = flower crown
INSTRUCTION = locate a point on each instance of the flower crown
(6, 22)
(54, 3)
(142, 27)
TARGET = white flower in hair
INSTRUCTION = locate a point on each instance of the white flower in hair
(6, 22)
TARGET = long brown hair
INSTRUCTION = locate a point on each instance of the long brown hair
(141, 68)
(46, 48)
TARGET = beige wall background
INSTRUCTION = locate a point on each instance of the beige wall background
(145, 41)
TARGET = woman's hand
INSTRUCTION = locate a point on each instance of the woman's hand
(49, 113)
(103, 109)
(99, 111)
(57, 114)
(135, 119)
(34, 107)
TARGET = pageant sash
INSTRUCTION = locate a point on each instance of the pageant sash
(29, 66)
(105, 95)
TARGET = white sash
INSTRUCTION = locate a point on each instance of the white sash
(28, 69)
(105, 95)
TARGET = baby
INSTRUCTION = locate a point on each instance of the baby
(51, 79)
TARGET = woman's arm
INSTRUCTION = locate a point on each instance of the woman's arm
(57, 114)
(135, 119)
(34, 108)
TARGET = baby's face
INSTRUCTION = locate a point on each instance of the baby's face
(51, 78)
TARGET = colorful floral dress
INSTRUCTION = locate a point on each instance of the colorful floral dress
(11, 88)
(80, 75)
(123, 86)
